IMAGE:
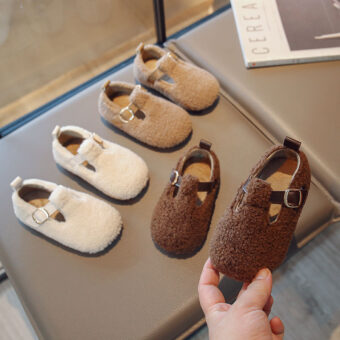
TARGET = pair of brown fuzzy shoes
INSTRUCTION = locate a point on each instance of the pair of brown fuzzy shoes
(151, 119)
(255, 230)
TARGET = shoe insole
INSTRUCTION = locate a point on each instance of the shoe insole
(73, 144)
(202, 170)
(279, 174)
(151, 64)
(121, 99)
(39, 198)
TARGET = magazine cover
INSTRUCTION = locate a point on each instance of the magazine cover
(276, 32)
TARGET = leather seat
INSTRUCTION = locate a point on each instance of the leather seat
(70, 296)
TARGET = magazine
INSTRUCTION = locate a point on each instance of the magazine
(277, 32)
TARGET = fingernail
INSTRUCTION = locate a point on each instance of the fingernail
(262, 274)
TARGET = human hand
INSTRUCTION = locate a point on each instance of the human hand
(247, 317)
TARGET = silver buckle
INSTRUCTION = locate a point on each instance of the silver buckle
(45, 213)
(128, 109)
(172, 56)
(174, 181)
(244, 188)
(285, 198)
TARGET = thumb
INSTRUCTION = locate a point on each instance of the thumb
(258, 292)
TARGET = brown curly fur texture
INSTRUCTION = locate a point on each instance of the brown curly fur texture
(194, 88)
(178, 225)
(244, 241)
(165, 124)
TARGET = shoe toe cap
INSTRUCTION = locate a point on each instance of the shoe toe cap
(99, 232)
(176, 238)
(202, 92)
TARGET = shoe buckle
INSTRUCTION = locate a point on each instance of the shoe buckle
(37, 219)
(286, 200)
(172, 56)
(129, 110)
(174, 177)
(245, 186)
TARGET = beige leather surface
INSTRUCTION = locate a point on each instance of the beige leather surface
(302, 101)
(133, 291)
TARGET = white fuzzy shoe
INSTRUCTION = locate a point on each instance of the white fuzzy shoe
(116, 171)
(72, 218)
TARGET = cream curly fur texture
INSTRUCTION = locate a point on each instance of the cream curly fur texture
(119, 172)
(90, 224)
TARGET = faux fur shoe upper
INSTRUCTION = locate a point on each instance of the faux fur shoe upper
(187, 85)
(74, 219)
(116, 171)
(256, 230)
(148, 118)
(182, 215)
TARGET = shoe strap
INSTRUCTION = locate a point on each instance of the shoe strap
(137, 98)
(89, 150)
(61, 199)
(164, 67)
(291, 198)
(42, 214)
(176, 180)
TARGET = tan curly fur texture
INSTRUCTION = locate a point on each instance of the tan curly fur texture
(193, 88)
(165, 124)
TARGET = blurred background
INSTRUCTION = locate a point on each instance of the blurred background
(48, 47)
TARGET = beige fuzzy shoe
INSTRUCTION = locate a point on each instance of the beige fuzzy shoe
(187, 85)
(150, 119)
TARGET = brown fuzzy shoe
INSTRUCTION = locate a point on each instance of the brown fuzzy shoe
(256, 230)
(152, 120)
(182, 215)
(187, 85)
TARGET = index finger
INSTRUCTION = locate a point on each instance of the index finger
(208, 291)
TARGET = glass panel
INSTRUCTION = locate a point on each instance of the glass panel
(48, 47)
(180, 14)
